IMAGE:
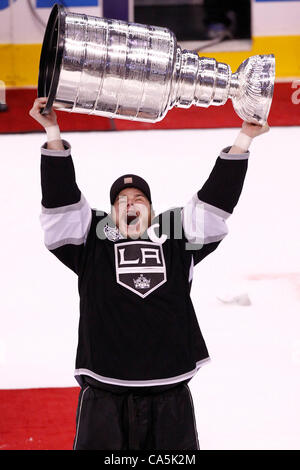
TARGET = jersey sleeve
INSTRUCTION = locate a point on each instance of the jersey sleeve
(65, 214)
(204, 218)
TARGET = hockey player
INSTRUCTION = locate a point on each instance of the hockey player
(139, 340)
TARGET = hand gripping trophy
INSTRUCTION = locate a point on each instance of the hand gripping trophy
(138, 72)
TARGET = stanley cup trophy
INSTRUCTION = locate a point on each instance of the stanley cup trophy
(137, 72)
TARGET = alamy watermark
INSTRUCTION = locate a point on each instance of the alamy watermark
(296, 94)
(178, 224)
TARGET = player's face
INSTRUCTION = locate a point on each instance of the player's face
(131, 212)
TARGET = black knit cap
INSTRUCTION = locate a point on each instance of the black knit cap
(129, 181)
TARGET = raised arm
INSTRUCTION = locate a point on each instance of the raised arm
(204, 217)
(65, 214)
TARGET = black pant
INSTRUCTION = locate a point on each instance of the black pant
(132, 420)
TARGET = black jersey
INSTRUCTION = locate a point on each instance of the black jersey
(137, 323)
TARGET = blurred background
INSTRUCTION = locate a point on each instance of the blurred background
(246, 294)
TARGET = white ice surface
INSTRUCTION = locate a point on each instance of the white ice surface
(248, 397)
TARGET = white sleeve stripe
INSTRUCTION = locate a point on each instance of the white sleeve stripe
(61, 228)
(201, 224)
(213, 209)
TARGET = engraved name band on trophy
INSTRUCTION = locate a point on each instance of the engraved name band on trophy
(122, 70)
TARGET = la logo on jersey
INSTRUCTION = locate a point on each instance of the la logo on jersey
(140, 266)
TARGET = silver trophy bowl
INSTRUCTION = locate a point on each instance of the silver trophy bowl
(122, 70)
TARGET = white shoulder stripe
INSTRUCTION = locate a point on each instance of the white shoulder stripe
(66, 225)
(202, 222)
(213, 209)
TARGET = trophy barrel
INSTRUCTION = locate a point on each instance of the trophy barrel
(106, 67)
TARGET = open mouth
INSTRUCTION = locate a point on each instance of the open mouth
(132, 219)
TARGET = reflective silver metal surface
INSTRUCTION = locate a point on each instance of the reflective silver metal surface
(138, 72)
